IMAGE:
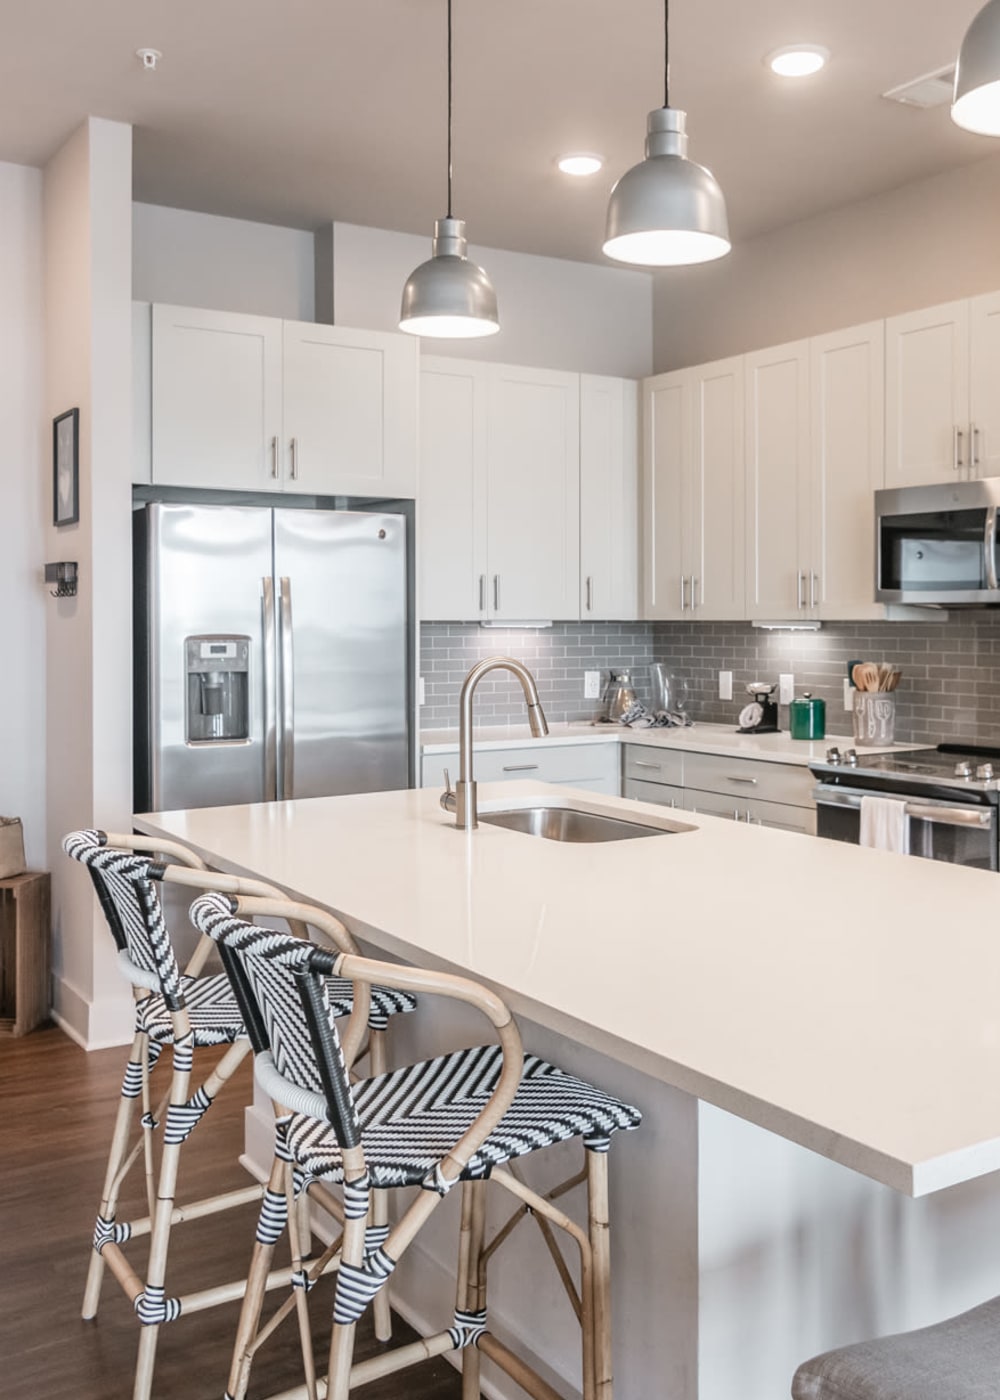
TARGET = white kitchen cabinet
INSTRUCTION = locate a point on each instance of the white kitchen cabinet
(927, 395)
(779, 578)
(847, 466)
(609, 483)
(661, 793)
(257, 404)
(533, 494)
(984, 400)
(349, 411)
(451, 512)
(590, 767)
(142, 420)
(694, 493)
(216, 399)
(740, 789)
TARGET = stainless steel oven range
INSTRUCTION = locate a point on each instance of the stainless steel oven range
(951, 793)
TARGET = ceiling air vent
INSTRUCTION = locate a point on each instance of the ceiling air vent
(932, 90)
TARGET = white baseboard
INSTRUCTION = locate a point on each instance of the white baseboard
(96, 1025)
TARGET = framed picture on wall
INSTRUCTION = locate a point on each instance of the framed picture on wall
(66, 468)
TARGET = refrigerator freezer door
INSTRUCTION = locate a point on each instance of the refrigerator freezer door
(341, 583)
(206, 571)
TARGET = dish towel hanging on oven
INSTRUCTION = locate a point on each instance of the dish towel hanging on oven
(884, 825)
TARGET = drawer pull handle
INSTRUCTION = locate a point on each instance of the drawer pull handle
(731, 779)
(520, 767)
(638, 763)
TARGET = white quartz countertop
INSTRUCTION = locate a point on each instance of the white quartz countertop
(720, 739)
(847, 999)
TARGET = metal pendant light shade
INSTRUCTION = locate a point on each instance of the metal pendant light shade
(977, 77)
(448, 295)
(667, 211)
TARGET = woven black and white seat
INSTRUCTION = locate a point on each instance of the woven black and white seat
(459, 1118)
(185, 1012)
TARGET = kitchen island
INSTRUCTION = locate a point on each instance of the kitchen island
(847, 1001)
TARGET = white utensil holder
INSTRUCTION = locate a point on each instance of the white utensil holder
(874, 718)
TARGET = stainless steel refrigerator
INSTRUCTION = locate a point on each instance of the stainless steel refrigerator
(273, 654)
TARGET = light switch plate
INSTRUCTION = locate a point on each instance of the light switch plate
(786, 689)
(725, 685)
(420, 690)
(591, 685)
(848, 696)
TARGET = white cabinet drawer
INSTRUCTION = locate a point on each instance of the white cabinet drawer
(579, 764)
(742, 809)
(650, 764)
(746, 778)
(661, 793)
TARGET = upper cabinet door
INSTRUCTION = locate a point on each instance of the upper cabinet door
(216, 396)
(984, 429)
(847, 389)
(533, 515)
(451, 513)
(666, 458)
(927, 396)
(715, 493)
(777, 437)
(609, 485)
(350, 411)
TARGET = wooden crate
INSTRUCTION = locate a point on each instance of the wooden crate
(25, 935)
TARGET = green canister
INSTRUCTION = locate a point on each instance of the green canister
(807, 717)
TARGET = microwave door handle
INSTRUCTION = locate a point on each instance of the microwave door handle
(990, 548)
(270, 691)
(287, 690)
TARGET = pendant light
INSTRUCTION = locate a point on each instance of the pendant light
(667, 211)
(977, 77)
(449, 296)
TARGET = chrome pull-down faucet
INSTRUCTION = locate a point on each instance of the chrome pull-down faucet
(462, 801)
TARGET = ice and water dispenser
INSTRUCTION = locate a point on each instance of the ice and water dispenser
(218, 691)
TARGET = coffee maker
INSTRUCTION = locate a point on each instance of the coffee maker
(761, 715)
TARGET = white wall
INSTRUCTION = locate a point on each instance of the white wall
(553, 313)
(88, 323)
(188, 259)
(25, 498)
(927, 242)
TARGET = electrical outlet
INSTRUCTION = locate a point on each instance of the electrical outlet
(591, 685)
(848, 696)
(725, 685)
(420, 691)
(786, 689)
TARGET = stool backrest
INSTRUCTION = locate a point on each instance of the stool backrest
(280, 983)
(131, 905)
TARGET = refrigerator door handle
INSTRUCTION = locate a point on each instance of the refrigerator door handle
(270, 692)
(287, 690)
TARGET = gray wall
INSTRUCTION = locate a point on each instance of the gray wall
(927, 242)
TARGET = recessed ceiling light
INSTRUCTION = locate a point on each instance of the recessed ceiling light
(580, 164)
(798, 60)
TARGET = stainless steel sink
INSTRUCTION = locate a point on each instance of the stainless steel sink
(570, 824)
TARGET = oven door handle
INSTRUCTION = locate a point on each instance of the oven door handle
(990, 548)
(916, 811)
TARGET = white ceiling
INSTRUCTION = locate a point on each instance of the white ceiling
(301, 111)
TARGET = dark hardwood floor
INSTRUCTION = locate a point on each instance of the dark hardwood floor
(57, 1105)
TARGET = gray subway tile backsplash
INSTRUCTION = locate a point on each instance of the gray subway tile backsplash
(950, 686)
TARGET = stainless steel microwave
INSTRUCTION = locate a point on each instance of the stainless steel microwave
(937, 545)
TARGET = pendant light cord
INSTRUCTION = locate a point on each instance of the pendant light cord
(449, 109)
(666, 51)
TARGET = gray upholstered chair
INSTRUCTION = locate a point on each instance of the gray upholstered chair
(954, 1360)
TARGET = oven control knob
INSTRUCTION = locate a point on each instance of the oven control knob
(851, 757)
(963, 769)
(833, 755)
(984, 772)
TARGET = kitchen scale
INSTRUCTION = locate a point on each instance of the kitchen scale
(761, 715)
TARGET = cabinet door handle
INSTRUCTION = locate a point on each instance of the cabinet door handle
(482, 592)
(800, 592)
(694, 592)
(590, 593)
(683, 593)
(295, 459)
(752, 782)
(274, 458)
(496, 592)
(813, 589)
(520, 767)
(975, 447)
(957, 452)
(638, 763)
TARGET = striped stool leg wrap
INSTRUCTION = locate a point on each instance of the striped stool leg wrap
(273, 1217)
(301, 1279)
(357, 1287)
(184, 1054)
(107, 1232)
(467, 1328)
(436, 1181)
(148, 1121)
(182, 1119)
(132, 1079)
(597, 1144)
(375, 1238)
(357, 1195)
(152, 1307)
